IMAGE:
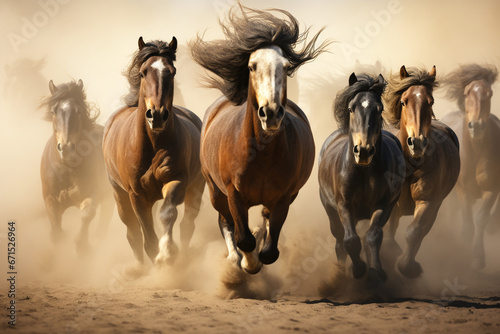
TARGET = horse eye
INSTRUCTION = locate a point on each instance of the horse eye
(402, 103)
(350, 110)
(141, 74)
(252, 67)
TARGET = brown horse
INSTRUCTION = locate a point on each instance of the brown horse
(72, 167)
(432, 159)
(256, 145)
(479, 133)
(356, 166)
(151, 150)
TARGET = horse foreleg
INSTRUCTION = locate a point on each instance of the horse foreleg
(483, 217)
(173, 194)
(88, 211)
(142, 209)
(336, 228)
(128, 217)
(270, 253)
(374, 237)
(352, 242)
(389, 244)
(54, 211)
(424, 217)
(192, 205)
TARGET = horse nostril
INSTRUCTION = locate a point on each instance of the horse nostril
(281, 112)
(356, 149)
(425, 142)
(262, 112)
(410, 141)
(165, 116)
(59, 147)
(371, 152)
(149, 114)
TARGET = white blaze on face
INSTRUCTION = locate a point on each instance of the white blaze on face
(268, 76)
(365, 103)
(158, 65)
(65, 105)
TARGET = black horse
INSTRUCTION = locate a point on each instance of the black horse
(357, 165)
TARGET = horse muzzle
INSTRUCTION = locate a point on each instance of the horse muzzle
(271, 118)
(476, 129)
(417, 146)
(156, 119)
(66, 150)
(363, 154)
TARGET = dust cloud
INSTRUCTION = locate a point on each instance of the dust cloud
(94, 41)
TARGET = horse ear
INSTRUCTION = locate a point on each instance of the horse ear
(433, 71)
(381, 79)
(352, 79)
(141, 43)
(403, 73)
(80, 83)
(52, 87)
(173, 44)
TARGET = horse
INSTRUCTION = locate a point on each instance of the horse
(151, 150)
(72, 166)
(431, 151)
(479, 133)
(356, 165)
(257, 147)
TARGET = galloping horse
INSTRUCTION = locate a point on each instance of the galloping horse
(431, 152)
(479, 133)
(72, 166)
(151, 150)
(257, 146)
(356, 168)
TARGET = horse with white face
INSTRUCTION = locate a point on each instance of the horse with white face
(257, 146)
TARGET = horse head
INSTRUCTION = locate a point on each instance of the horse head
(417, 114)
(477, 107)
(365, 123)
(67, 108)
(267, 86)
(157, 88)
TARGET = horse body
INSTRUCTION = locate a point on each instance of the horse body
(431, 151)
(356, 166)
(151, 152)
(479, 133)
(72, 166)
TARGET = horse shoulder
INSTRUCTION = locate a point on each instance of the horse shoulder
(214, 109)
(297, 111)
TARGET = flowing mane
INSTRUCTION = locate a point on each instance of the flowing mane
(71, 90)
(456, 81)
(150, 49)
(365, 83)
(246, 33)
(397, 86)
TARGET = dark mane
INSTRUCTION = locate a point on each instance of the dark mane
(246, 33)
(365, 83)
(396, 87)
(455, 82)
(151, 49)
(71, 90)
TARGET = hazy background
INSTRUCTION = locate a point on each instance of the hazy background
(94, 41)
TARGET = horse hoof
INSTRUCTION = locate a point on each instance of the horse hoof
(376, 277)
(269, 255)
(359, 270)
(410, 270)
